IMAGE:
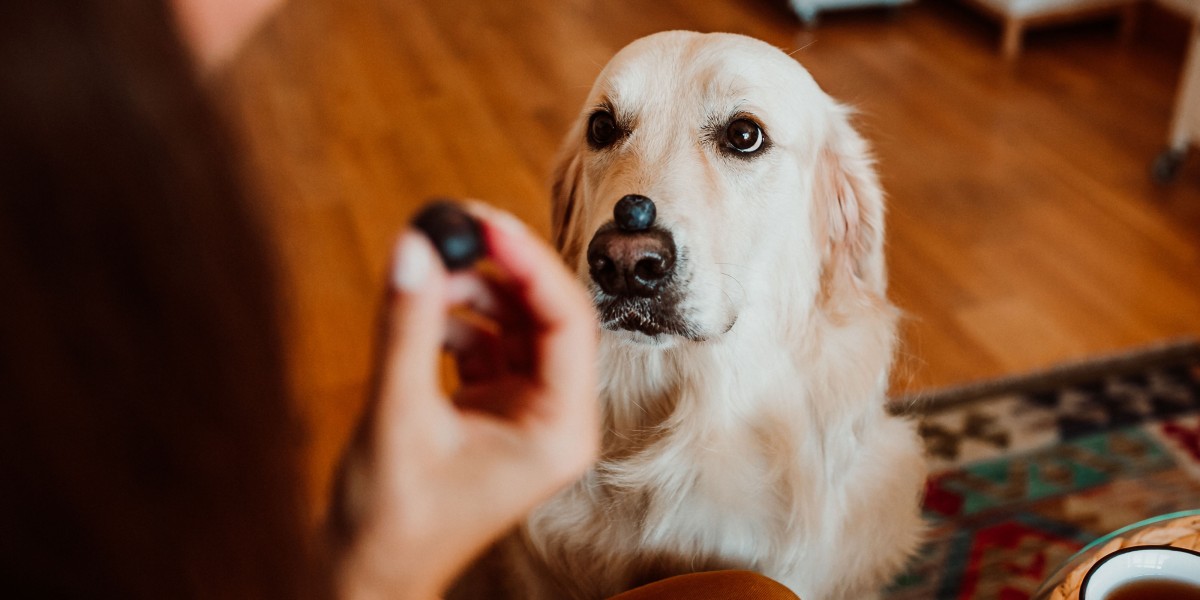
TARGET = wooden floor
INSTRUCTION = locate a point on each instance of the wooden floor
(1024, 229)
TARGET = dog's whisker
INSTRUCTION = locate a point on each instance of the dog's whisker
(749, 270)
(793, 53)
(738, 282)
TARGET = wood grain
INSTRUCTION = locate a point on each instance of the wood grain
(1023, 229)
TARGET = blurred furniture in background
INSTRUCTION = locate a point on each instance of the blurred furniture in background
(808, 9)
(1185, 124)
(1018, 15)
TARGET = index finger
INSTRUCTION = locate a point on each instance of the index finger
(555, 301)
(552, 295)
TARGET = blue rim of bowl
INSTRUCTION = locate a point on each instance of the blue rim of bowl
(1053, 579)
(1111, 555)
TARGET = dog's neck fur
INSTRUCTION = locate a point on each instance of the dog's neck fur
(735, 442)
(729, 398)
(716, 378)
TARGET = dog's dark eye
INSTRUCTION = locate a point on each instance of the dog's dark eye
(602, 129)
(744, 136)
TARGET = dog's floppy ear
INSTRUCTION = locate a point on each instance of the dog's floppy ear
(850, 204)
(563, 189)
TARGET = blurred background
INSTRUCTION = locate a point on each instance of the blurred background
(1025, 228)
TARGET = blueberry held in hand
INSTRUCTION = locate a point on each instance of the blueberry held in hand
(634, 213)
(455, 234)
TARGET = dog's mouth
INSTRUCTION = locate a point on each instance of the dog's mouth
(644, 315)
(653, 317)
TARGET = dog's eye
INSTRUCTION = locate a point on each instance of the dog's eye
(602, 129)
(744, 136)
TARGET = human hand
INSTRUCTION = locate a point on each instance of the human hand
(431, 479)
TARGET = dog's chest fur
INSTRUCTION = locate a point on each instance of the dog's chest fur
(710, 463)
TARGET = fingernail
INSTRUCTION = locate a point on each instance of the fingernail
(412, 262)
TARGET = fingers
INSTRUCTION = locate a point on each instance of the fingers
(552, 295)
(480, 353)
(546, 335)
(439, 478)
(483, 305)
(554, 301)
(483, 295)
(417, 317)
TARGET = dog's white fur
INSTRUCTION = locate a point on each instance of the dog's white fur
(764, 445)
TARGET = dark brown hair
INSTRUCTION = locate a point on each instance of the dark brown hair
(147, 449)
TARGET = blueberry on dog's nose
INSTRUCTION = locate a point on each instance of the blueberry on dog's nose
(634, 213)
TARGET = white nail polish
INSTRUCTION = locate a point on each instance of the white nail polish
(412, 262)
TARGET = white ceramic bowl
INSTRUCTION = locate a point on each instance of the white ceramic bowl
(1085, 556)
(1139, 563)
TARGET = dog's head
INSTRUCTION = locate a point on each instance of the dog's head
(709, 178)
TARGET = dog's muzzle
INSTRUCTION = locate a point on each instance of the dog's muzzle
(633, 264)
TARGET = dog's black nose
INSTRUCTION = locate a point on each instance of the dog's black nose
(631, 264)
(634, 213)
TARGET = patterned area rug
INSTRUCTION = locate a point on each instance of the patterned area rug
(1027, 471)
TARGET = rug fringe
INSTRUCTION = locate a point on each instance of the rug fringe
(1116, 363)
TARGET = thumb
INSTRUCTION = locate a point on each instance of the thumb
(416, 320)
(405, 379)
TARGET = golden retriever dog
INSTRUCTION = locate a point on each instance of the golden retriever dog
(729, 224)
